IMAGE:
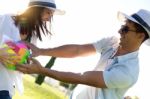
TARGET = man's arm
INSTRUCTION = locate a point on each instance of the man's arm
(91, 78)
(69, 51)
(65, 51)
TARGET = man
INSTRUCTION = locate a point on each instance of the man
(118, 67)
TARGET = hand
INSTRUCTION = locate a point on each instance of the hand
(35, 50)
(8, 58)
(33, 67)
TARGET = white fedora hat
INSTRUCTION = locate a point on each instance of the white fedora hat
(142, 17)
(50, 4)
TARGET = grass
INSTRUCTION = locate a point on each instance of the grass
(34, 91)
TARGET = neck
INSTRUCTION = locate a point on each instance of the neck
(123, 51)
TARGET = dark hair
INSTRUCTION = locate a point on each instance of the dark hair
(30, 23)
(140, 29)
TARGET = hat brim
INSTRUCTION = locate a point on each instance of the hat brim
(56, 11)
(122, 17)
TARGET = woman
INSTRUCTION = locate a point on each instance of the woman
(26, 26)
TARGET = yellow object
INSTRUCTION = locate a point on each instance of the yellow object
(20, 51)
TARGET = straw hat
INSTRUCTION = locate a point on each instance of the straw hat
(50, 4)
(142, 17)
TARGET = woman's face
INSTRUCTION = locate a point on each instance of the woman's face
(46, 15)
(23, 36)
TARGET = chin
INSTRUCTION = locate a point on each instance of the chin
(120, 43)
(46, 19)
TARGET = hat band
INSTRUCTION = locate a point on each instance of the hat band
(141, 21)
(46, 4)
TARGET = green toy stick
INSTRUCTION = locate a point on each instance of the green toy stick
(40, 78)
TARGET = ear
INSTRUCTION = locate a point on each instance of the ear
(141, 36)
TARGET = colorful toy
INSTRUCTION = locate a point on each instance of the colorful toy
(20, 49)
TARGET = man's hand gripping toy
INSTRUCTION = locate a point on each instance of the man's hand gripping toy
(20, 51)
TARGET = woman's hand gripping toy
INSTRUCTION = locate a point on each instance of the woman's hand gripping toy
(20, 51)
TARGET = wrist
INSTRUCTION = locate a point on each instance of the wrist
(42, 71)
(44, 52)
(41, 51)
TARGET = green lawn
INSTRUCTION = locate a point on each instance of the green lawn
(34, 91)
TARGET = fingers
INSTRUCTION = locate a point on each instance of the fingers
(31, 54)
(29, 44)
(9, 60)
(22, 68)
(33, 67)
(5, 48)
(32, 48)
(34, 61)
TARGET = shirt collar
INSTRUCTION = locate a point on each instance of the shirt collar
(127, 56)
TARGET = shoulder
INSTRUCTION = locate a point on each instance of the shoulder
(106, 43)
(120, 76)
(5, 23)
(5, 19)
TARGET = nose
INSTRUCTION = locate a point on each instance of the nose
(119, 31)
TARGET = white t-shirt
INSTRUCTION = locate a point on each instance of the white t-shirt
(119, 73)
(9, 78)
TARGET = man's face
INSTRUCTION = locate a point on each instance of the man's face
(128, 35)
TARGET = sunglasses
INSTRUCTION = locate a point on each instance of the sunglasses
(125, 29)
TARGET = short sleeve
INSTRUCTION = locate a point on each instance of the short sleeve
(9, 29)
(117, 77)
(105, 43)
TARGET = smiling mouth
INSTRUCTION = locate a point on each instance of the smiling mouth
(121, 38)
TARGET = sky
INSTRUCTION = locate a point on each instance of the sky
(87, 21)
